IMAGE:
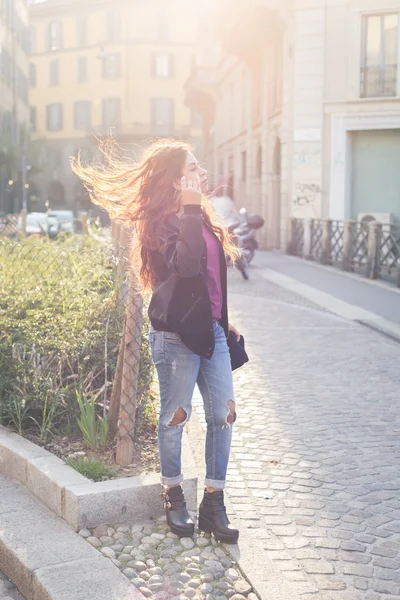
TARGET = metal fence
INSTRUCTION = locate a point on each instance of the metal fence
(371, 249)
(71, 318)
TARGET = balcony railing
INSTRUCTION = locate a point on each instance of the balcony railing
(371, 249)
(379, 82)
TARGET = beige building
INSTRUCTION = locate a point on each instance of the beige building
(107, 66)
(14, 103)
(303, 109)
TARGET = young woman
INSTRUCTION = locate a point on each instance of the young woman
(183, 262)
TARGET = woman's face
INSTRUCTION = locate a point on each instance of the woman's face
(192, 170)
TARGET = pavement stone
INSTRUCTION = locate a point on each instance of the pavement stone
(8, 591)
(314, 471)
(197, 567)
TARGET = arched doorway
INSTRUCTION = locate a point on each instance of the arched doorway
(276, 196)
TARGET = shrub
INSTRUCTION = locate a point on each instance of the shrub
(60, 326)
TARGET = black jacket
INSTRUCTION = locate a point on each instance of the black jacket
(180, 302)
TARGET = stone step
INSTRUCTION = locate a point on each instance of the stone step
(46, 559)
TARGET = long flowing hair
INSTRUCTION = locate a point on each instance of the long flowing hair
(143, 195)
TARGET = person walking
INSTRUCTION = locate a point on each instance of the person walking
(183, 261)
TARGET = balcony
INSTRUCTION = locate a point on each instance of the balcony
(247, 27)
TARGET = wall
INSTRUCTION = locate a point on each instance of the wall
(147, 28)
(309, 29)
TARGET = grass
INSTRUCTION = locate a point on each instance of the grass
(91, 468)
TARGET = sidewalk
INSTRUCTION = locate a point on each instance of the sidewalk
(47, 560)
(373, 303)
(314, 471)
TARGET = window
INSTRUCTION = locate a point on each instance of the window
(111, 112)
(32, 75)
(112, 66)
(114, 29)
(379, 56)
(33, 118)
(54, 72)
(162, 116)
(244, 165)
(54, 117)
(81, 31)
(22, 85)
(163, 65)
(54, 36)
(82, 114)
(259, 159)
(82, 69)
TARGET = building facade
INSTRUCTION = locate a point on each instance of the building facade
(306, 109)
(102, 67)
(14, 103)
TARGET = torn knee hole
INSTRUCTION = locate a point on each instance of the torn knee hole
(179, 417)
(231, 418)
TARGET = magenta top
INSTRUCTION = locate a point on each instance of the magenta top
(213, 273)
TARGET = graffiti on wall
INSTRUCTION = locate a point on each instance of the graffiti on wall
(307, 193)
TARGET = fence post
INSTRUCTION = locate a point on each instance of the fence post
(23, 220)
(289, 236)
(130, 372)
(348, 245)
(85, 230)
(374, 250)
(307, 245)
(326, 242)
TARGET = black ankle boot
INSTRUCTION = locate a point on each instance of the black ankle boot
(177, 515)
(213, 519)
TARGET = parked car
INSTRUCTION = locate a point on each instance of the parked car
(40, 224)
(65, 218)
(9, 225)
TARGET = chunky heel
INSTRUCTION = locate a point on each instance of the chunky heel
(204, 525)
(213, 518)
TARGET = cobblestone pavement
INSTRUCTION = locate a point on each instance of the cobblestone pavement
(8, 590)
(164, 567)
(315, 466)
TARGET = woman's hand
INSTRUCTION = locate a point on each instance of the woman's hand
(235, 331)
(191, 191)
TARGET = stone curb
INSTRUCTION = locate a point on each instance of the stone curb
(345, 310)
(47, 560)
(81, 502)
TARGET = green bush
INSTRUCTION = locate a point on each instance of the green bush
(60, 325)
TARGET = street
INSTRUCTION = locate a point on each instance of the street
(314, 471)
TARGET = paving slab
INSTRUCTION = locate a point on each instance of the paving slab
(33, 539)
(78, 580)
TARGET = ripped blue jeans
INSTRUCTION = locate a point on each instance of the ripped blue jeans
(179, 369)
